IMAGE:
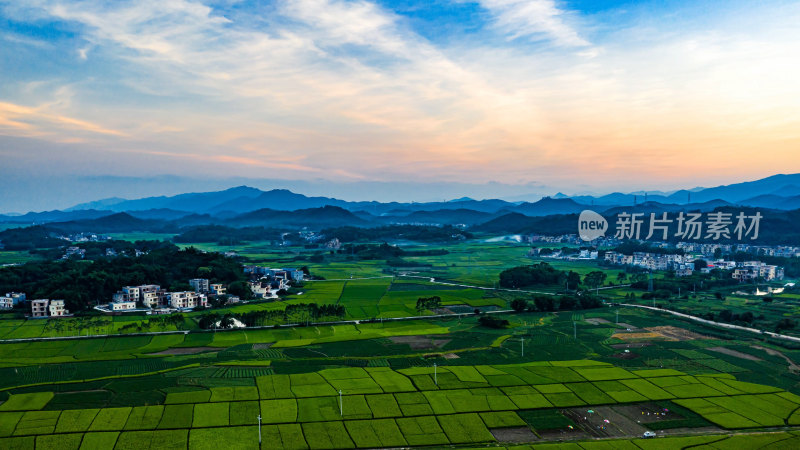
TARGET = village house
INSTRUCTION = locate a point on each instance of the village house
(39, 307)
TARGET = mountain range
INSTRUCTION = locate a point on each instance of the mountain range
(246, 206)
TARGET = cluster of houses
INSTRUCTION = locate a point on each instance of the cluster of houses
(153, 297)
(40, 307)
(785, 251)
(266, 282)
(11, 299)
(683, 265)
(755, 270)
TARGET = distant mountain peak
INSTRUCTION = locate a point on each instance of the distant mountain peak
(462, 199)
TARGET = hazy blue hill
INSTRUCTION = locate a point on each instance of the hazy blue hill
(276, 199)
(114, 223)
(327, 216)
(548, 206)
(55, 216)
(737, 192)
(656, 207)
(103, 204)
(773, 201)
(192, 202)
(161, 214)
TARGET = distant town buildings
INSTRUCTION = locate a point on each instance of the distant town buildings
(684, 265)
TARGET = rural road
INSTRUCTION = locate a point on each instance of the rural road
(718, 324)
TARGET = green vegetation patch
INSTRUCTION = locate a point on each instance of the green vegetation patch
(286, 436)
(647, 389)
(99, 441)
(465, 428)
(310, 385)
(26, 402)
(177, 416)
(604, 373)
(8, 421)
(564, 399)
(383, 405)
(199, 396)
(423, 430)
(389, 380)
(233, 393)
(211, 415)
(502, 419)
(413, 404)
(274, 386)
(280, 410)
(228, 438)
(75, 420)
(70, 441)
(375, 433)
(144, 417)
(37, 422)
(110, 419)
(327, 435)
(244, 413)
(590, 394)
(545, 419)
(526, 397)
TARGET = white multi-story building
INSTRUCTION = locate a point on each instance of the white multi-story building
(200, 285)
(6, 302)
(186, 299)
(56, 308)
(149, 295)
(754, 270)
(121, 306)
(217, 289)
(39, 307)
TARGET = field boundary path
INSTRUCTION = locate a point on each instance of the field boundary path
(718, 324)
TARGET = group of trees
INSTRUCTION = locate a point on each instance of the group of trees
(547, 303)
(424, 303)
(543, 274)
(295, 313)
(30, 238)
(83, 284)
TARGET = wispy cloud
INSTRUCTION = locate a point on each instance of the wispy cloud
(539, 19)
(38, 122)
(347, 89)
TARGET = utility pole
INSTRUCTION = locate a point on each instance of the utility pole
(341, 411)
(617, 316)
(259, 430)
(435, 380)
(522, 344)
(575, 330)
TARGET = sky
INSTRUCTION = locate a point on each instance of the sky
(393, 100)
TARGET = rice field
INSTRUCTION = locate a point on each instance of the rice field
(381, 407)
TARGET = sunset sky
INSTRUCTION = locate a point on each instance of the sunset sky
(488, 97)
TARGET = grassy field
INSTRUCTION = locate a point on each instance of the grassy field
(381, 407)
(207, 389)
